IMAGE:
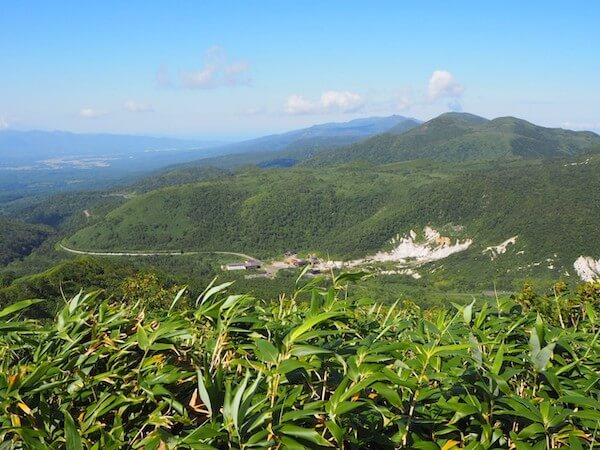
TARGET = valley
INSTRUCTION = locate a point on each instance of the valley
(429, 223)
(347, 213)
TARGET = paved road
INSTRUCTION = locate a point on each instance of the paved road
(154, 253)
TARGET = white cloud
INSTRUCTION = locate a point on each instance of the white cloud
(3, 123)
(296, 104)
(404, 103)
(342, 101)
(330, 101)
(133, 106)
(217, 71)
(90, 113)
(443, 85)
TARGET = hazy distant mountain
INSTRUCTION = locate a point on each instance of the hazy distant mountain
(287, 149)
(462, 136)
(323, 134)
(24, 147)
(34, 161)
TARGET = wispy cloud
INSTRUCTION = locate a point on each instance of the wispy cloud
(136, 107)
(256, 111)
(296, 104)
(442, 84)
(404, 102)
(217, 71)
(90, 113)
(455, 105)
(330, 101)
(163, 76)
(3, 122)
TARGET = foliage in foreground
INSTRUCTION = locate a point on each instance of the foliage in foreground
(313, 371)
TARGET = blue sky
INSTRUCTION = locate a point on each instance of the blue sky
(230, 70)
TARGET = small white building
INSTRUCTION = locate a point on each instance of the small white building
(246, 265)
(234, 266)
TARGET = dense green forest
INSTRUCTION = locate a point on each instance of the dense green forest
(315, 369)
(18, 239)
(353, 210)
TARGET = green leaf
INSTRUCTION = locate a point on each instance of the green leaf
(336, 431)
(15, 307)
(212, 291)
(535, 429)
(581, 401)
(498, 360)
(449, 348)
(590, 312)
(575, 442)
(266, 351)
(534, 342)
(289, 365)
(391, 395)
(310, 322)
(142, 338)
(206, 431)
(72, 437)
(307, 434)
(303, 350)
(481, 316)
(203, 392)
(350, 276)
(291, 444)
(542, 358)
(176, 299)
(468, 313)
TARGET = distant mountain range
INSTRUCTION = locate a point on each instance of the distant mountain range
(287, 149)
(26, 147)
(462, 136)
(353, 130)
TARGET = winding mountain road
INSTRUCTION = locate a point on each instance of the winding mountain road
(155, 253)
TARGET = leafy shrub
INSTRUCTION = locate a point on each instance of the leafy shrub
(314, 370)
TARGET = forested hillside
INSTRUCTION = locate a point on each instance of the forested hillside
(352, 211)
(462, 137)
(18, 239)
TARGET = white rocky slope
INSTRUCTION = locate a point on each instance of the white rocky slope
(409, 252)
(499, 249)
(587, 268)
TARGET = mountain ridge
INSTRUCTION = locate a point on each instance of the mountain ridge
(464, 136)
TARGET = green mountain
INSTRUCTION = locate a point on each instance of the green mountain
(463, 137)
(353, 211)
